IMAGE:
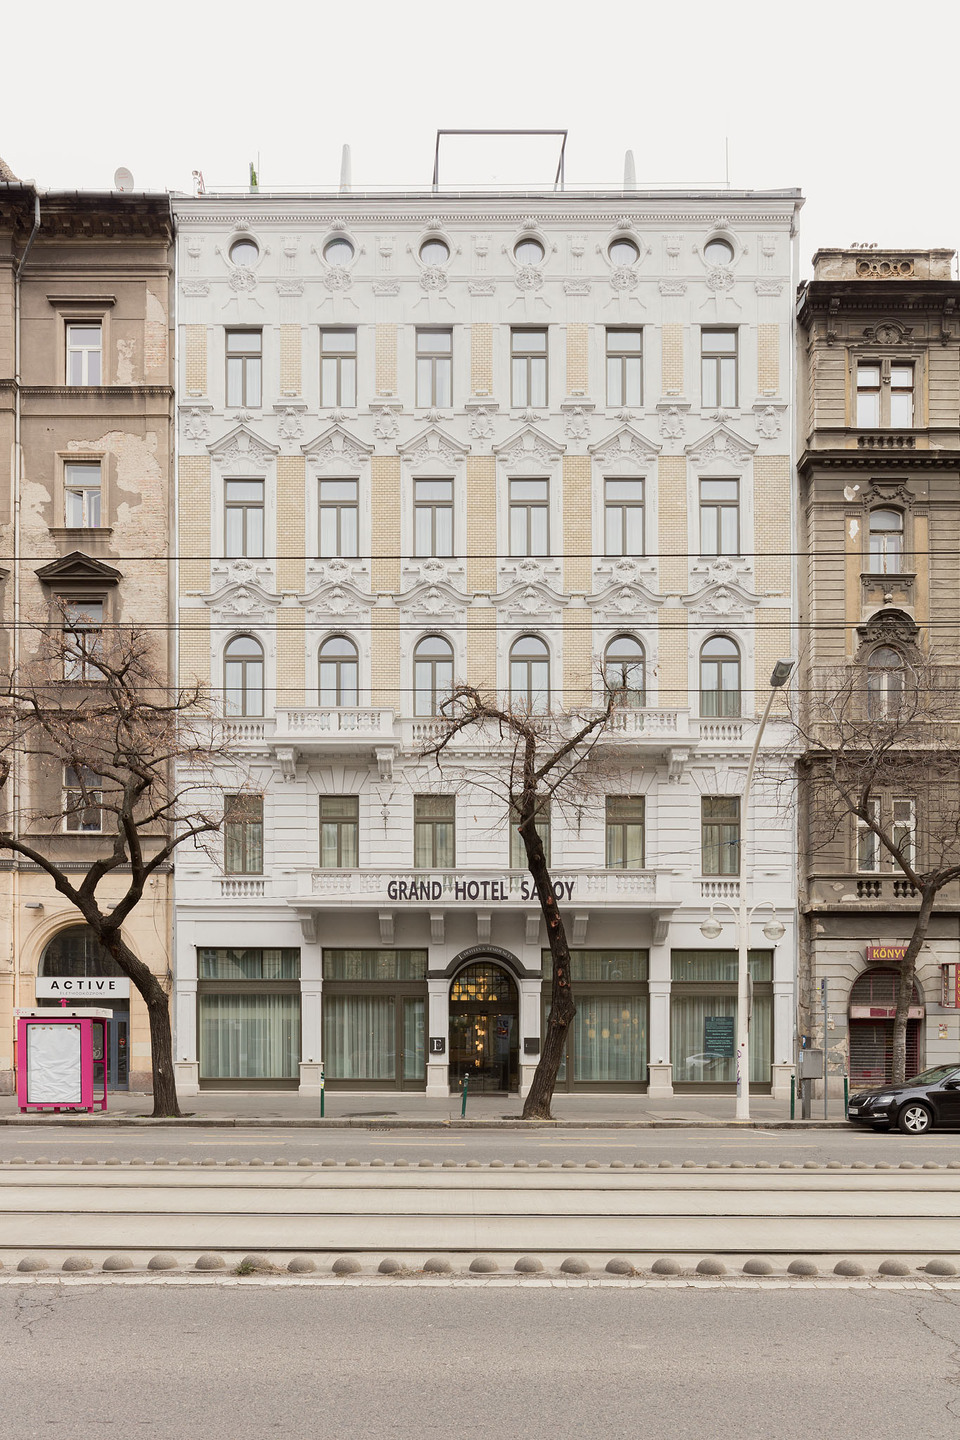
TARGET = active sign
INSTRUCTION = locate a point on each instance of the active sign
(71, 987)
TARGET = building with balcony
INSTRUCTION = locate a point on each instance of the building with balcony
(86, 417)
(522, 441)
(879, 425)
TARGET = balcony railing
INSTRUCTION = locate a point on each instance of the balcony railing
(325, 722)
(473, 888)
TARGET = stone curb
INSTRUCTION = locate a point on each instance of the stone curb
(684, 1167)
(122, 1122)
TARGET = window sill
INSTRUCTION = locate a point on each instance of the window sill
(78, 532)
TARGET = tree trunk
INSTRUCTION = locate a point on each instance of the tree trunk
(562, 1007)
(165, 1104)
(908, 972)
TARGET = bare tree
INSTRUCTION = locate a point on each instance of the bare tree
(544, 757)
(881, 752)
(105, 747)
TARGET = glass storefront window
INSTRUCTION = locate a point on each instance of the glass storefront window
(359, 1037)
(610, 1039)
(719, 965)
(249, 1036)
(601, 965)
(249, 964)
(703, 1039)
(374, 964)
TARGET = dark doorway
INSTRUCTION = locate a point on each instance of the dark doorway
(484, 1030)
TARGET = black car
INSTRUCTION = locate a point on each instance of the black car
(932, 1098)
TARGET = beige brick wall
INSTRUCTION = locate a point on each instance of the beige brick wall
(673, 667)
(195, 639)
(481, 523)
(481, 359)
(385, 662)
(385, 505)
(775, 641)
(578, 685)
(482, 648)
(291, 537)
(672, 360)
(768, 359)
(195, 522)
(772, 538)
(578, 360)
(577, 526)
(290, 359)
(672, 511)
(195, 352)
(291, 678)
(386, 357)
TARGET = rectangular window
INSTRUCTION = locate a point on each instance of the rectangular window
(433, 517)
(82, 801)
(719, 517)
(718, 368)
(244, 367)
(434, 368)
(434, 832)
(868, 843)
(243, 518)
(518, 853)
(528, 368)
(885, 395)
(243, 834)
(339, 519)
(248, 964)
(248, 1014)
(82, 638)
(81, 494)
(374, 964)
(868, 395)
(624, 367)
(84, 354)
(905, 829)
(339, 832)
(338, 368)
(623, 517)
(901, 397)
(720, 834)
(529, 517)
(625, 832)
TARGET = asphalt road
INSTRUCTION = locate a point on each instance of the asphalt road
(362, 1363)
(60, 1142)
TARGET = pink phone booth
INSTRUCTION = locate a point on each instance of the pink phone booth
(61, 1059)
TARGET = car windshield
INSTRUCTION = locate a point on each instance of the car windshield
(934, 1076)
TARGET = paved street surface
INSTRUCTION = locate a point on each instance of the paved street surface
(364, 1363)
(849, 1144)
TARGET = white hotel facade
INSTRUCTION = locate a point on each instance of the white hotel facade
(516, 441)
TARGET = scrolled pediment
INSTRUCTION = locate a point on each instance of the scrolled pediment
(337, 449)
(241, 449)
(625, 450)
(528, 448)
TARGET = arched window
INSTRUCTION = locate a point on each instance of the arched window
(530, 675)
(623, 670)
(77, 953)
(886, 542)
(432, 674)
(339, 672)
(719, 677)
(885, 677)
(243, 676)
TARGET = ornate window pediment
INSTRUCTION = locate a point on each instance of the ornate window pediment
(240, 450)
(78, 569)
(624, 451)
(434, 449)
(336, 449)
(528, 448)
(887, 627)
(721, 445)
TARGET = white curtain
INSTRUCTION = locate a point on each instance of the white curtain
(249, 1037)
(610, 1039)
(696, 1051)
(359, 1037)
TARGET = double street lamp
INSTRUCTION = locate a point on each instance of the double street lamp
(773, 930)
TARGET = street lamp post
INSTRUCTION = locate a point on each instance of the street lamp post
(710, 929)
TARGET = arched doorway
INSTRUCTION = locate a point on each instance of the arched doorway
(77, 954)
(485, 1029)
(873, 1004)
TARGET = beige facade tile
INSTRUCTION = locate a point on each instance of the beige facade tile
(768, 359)
(195, 640)
(673, 536)
(290, 360)
(578, 359)
(482, 648)
(772, 527)
(291, 676)
(775, 641)
(578, 680)
(194, 509)
(385, 660)
(385, 505)
(481, 523)
(577, 523)
(195, 353)
(674, 668)
(672, 360)
(386, 359)
(291, 522)
(481, 359)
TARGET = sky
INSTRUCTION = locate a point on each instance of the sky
(852, 104)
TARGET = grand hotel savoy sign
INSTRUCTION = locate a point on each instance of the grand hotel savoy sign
(488, 887)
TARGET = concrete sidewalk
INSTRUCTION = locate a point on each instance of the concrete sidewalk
(414, 1110)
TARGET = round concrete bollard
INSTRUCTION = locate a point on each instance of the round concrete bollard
(940, 1267)
(327, 1161)
(859, 1165)
(374, 1164)
(306, 1161)
(787, 1165)
(617, 1165)
(848, 1267)
(64, 1161)
(907, 1165)
(763, 1165)
(528, 1265)
(233, 1161)
(255, 1161)
(437, 1265)
(400, 1164)
(710, 1265)
(117, 1262)
(484, 1265)
(810, 1165)
(389, 1266)
(209, 1261)
(473, 1165)
(19, 1160)
(208, 1163)
(715, 1165)
(802, 1267)
(882, 1165)
(568, 1165)
(448, 1165)
(893, 1267)
(33, 1262)
(113, 1161)
(77, 1262)
(301, 1265)
(521, 1164)
(496, 1165)
(184, 1162)
(544, 1164)
(137, 1161)
(346, 1265)
(665, 1267)
(161, 1161)
(619, 1266)
(359, 1162)
(834, 1164)
(758, 1267)
(425, 1164)
(163, 1262)
(688, 1165)
(737, 1165)
(953, 1164)
(665, 1165)
(930, 1165)
(575, 1265)
(89, 1161)
(592, 1165)
(281, 1162)
(254, 1262)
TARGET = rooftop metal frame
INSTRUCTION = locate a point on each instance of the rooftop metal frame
(558, 179)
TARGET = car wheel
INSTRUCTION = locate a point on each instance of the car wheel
(914, 1118)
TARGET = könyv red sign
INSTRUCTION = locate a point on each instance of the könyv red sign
(876, 953)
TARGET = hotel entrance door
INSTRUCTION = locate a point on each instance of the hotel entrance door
(484, 1030)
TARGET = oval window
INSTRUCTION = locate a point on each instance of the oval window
(434, 252)
(718, 252)
(244, 252)
(528, 252)
(624, 252)
(338, 252)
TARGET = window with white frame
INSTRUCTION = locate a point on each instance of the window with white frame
(885, 395)
(244, 367)
(886, 542)
(243, 518)
(625, 841)
(339, 832)
(530, 675)
(339, 672)
(243, 834)
(85, 353)
(529, 517)
(885, 682)
(719, 677)
(719, 517)
(433, 517)
(623, 518)
(432, 674)
(338, 368)
(623, 671)
(718, 368)
(82, 495)
(624, 367)
(339, 519)
(528, 368)
(434, 368)
(434, 832)
(896, 816)
(82, 635)
(82, 800)
(243, 676)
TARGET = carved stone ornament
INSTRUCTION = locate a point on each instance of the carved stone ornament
(720, 278)
(886, 627)
(528, 224)
(338, 278)
(481, 244)
(196, 426)
(291, 425)
(433, 447)
(292, 285)
(768, 420)
(625, 450)
(195, 287)
(577, 424)
(528, 449)
(386, 287)
(243, 572)
(433, 278)
(576, 287)
(721, 444)
(242, 278)
(888, 332)
(673, 287)
(337, 571)
(880, 493)
(578, 244)
(481, 424)
(241, 449)
(482, 287)
(386, 426)
(672, 423)
(623, 278)
(768, 287)
(528, 277)
(337, 449)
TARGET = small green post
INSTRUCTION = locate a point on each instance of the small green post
(322, 1090)
(463, 1103)
(846, 1097)
(793, 1097)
